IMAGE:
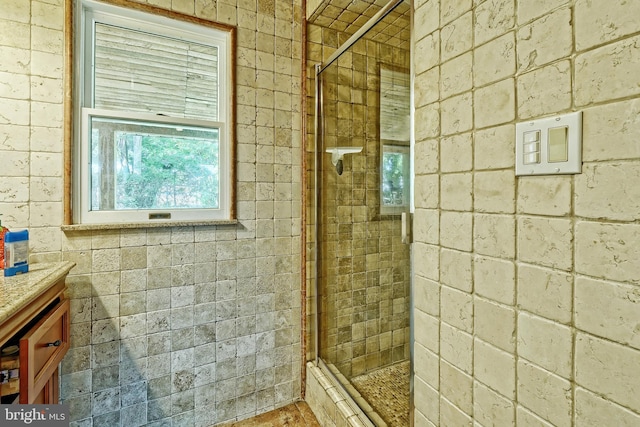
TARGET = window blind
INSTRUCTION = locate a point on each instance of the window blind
(142, 72)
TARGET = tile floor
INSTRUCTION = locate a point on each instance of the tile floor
(297, 414)
(387, 390)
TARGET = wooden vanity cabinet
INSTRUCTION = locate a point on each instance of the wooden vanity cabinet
(41, 329)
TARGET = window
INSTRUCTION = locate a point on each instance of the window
(395, 102)
(395, 179)
(153, 118)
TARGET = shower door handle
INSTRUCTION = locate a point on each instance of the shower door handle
(407, 232)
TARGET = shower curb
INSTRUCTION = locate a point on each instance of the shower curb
(332, 406)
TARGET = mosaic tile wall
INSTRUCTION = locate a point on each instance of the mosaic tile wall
(176, 326)
(365, 268)
(526, 289)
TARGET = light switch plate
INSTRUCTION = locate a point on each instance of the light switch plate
(549, 159)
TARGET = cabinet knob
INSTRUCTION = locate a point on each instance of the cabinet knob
(56, 343)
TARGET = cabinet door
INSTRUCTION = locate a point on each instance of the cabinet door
(41, 350)
(49, 393)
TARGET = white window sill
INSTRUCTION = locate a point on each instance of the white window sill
(133, 225)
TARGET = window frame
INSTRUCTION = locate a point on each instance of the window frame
(142, 17)
(141, 215)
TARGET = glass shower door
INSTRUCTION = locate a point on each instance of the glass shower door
(364, 265)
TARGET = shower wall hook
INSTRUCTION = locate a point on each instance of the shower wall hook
(338, 152)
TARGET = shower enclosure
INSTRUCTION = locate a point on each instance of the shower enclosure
(359, 186)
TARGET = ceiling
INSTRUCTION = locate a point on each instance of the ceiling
(348, 16)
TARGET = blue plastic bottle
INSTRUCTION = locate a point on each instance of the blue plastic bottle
(16, 252)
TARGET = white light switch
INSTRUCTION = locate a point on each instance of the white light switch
(533, 147)
(558, 149)
(550, 146)
(531, 158)
(532, 136)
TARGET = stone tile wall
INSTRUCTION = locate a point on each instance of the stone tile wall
(526, 289)
(175, 326)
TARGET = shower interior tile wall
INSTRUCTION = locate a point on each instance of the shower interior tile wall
(365, 267)
(526, 290)
(190, 326)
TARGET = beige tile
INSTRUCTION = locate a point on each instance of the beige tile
(427, 121)
(616, 61)
(617, 319)
(494, 148)
(494, 279)
(18, 60)
(456, 190)
(545, 292)
(452, 415)
(592, 410)
(544, 91)
(428, 268)
(426, 331)
(536, 48)
(490, 408)
(546, 242)
(545, 195)
(493, 19)
(524, 417)
(494, 235)
(427, 295)
(426, 401)
(600, 22)
(16, 138)
(426, 18)
(426, 225)
(47, 15)
(545, 394)
(426, 365)
(15, 189)
(528, 11)
(494, 192)
(494, 104)
(456, 153)
(611, 369)
(456, 75)
(597, 123)
(495, 60)
(429, 91)
(495, 324)
(608, 250)
(495, 368)
(456, 37)
(457, 308)
(607, 191)
(456, 230)
(457, 387)
(456, 269)
(16, 112)
(15, 86)
(545, 343)
(457, 114)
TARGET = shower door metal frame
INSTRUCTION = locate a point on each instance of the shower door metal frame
(316, 185)
(387, 9)
(318, 164)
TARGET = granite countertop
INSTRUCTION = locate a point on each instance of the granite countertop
(17, 291)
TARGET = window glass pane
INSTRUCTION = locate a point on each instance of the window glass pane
(142, 72)
(395, 163)
(143, 165)
(395, 103)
